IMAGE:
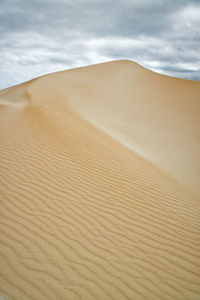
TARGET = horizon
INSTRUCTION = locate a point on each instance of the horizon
(47, 36)
(95, 64)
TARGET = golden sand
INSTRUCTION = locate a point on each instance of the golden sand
(100, 186)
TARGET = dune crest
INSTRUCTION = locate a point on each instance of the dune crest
(154, 115)
(99, 194)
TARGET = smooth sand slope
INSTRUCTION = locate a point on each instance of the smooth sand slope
(100, 186)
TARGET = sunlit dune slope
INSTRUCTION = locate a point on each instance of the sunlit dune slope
(99, 186)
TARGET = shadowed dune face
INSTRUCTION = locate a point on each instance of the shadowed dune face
(154, 115)
(98, 197)
(15, 96)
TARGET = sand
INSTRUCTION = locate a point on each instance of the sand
(100, 186)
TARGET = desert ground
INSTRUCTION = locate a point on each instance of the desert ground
(100, 186)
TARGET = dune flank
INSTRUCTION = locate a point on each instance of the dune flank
(99, 186)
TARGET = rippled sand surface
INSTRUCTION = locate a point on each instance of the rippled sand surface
(100, 186)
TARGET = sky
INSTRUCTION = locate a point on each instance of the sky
(43, 36)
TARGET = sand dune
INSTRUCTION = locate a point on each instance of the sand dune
(99, 186)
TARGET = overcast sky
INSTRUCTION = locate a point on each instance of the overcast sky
(43, 36)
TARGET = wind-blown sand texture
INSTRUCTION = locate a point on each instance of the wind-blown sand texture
(100, 186)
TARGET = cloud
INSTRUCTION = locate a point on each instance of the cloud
(42, 36)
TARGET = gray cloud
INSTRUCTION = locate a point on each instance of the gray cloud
(42, 36)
